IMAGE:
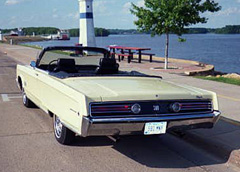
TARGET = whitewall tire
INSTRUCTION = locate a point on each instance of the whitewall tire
(62, 134)
(26, 101)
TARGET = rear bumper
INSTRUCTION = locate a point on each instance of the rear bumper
(135, 125)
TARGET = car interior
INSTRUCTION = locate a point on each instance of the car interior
(65, 66)
(66, 63)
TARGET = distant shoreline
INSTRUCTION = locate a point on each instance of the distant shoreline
(229, 29)
(102, 32)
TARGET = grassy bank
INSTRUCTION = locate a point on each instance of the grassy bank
(221, 79)
(32, 46)
(21, 39)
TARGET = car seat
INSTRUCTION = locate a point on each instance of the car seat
(66, 65)
(108, 66)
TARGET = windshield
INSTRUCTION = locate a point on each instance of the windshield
(80, 57)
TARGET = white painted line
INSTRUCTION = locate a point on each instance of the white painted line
(13, 48)
(15, 97)
(230, 98)
(5, 97)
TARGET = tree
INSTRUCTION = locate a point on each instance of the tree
(171, 16)
(40, 30)
(229, 29)
(101, 32)
(98, 32)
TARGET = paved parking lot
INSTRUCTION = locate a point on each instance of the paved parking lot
(27, 143)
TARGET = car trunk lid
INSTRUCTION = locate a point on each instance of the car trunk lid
(132, 88)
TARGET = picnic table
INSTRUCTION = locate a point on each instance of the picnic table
(129, 51)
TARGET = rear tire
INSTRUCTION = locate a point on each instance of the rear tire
(26, 101)
(62, 134)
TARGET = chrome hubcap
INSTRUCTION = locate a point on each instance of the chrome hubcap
(58, 127)
(24, 98)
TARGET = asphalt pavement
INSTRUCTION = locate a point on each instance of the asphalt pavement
(27, 142)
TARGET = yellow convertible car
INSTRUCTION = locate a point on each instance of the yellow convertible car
(84, 91)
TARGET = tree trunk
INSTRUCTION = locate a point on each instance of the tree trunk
(166, 51)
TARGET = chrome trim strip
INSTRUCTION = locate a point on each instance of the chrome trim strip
(152, 115)
(134, 101)
(152, 119)
(99, 112)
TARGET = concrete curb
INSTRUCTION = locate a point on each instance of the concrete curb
(174, 60)
(231, 121)
(207, 70)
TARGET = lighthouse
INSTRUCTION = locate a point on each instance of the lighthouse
(1, 37)
(87, 34)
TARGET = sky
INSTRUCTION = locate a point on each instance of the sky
(108, 14)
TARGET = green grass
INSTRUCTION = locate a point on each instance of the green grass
(68, 53)
(221, 79)
(32, 46)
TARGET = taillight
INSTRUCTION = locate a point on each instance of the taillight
(190, 106)
(196, 105)
(108, 109)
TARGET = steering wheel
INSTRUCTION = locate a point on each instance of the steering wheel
(50, 63)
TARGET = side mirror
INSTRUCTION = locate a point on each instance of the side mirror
(33, 64)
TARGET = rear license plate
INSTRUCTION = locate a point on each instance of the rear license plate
(155, 128)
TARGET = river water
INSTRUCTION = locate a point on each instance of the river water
(223, 51)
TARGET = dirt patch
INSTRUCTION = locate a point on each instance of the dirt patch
(21, 39)
(232, 75)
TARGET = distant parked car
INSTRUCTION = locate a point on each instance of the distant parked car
(87, 95)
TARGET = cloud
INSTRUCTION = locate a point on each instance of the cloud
(140, 3)
(126, 8)
(73, 15)
(28, 18)
(54, 10)
(228, 11)
(13, 20)
(13, 2)
(55, 16)
(101, 7)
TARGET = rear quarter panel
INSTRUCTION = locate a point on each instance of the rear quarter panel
(51, 95)
(58, 98)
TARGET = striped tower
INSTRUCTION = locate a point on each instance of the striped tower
(87, 34)
(1, 37)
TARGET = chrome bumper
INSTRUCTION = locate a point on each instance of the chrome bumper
(135, 125)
